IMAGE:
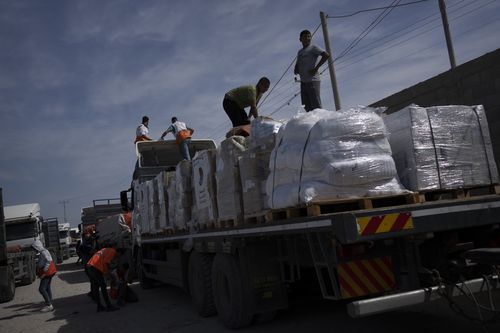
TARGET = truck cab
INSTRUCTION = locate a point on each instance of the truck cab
(65, 239)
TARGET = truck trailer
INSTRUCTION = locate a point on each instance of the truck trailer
(377, 254)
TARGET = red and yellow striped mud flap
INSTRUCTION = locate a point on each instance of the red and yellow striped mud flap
(364, 277)
(369, 225)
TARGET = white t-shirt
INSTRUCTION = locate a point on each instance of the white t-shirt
(142, 130)
(177, 127)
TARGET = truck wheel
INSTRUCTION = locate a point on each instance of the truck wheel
(230, 292)
(7, 290)
(30, 276)
(144, 281)
(200, 283)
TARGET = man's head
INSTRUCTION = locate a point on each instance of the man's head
(145, 120)
(263, 85)
(174, 119)
(305, 38)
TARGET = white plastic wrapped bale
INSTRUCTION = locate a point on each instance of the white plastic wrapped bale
(162, 182)
(183, 194)
(144, 208)
(442, 147)
(136, 216)
(172, 199)
(154, 206)
(205, 186)
(263, 134)
(324, 155)
(229, 201)
(254, 169)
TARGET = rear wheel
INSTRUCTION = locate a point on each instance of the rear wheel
(200, 283)
(8, 290)
(230, 292)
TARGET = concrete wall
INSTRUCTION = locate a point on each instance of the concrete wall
(474, 82)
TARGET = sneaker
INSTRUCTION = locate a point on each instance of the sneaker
(112, 308)
(47, 308)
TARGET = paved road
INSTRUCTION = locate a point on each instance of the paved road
(168, 309)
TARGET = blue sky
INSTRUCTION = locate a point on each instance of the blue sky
(77, 76)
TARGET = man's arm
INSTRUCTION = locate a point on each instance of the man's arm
(324, 58)
(166, 132)
(296, 68)
(253, 110)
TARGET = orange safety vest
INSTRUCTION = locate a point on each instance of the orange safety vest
(51, 271)
(182, 135)
(101, 259)
(127, 218)
(140, 138)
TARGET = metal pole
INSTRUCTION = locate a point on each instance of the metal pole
(449, 44)
(333, 79)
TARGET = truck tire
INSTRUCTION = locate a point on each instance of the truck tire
(144, 281)
(30, 276)
(7, 285)
(230, 292)
(200, 283)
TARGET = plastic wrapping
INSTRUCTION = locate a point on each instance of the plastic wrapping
(229, 200)
(323, 155)
(442, 147)
(204, 186)
(163, 181)
(264, 131)
(183, 195)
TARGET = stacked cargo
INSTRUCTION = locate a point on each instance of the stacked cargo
(323, 155)
(183, 201)
(254, 165)
(442, 147)
(204, 186)
(162, 181)
(227, 175)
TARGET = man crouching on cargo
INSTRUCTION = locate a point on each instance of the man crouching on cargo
(182, 135)
(97, 267)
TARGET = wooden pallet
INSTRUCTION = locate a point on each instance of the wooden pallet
(254, 219)
(459, 193)
(208, 225)
(226, 223)
(317, 208)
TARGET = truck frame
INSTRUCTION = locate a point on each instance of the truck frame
(380, 258)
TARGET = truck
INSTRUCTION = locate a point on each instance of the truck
(23, 225)
(50, 227)
(7, 280)
(65, 240)
(375, 254)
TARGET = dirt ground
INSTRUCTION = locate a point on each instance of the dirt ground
(169, 309)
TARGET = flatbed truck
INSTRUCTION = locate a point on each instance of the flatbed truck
(377, 259)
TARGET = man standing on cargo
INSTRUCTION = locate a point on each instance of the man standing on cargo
(237, 99)
(182, 135)
(142, 131)
(307, 68)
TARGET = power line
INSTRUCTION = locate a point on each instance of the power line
(374, 9)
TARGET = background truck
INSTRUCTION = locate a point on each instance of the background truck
(50, 227)
(7, 280)
(23, 225)
(376, 254)
(65, 239)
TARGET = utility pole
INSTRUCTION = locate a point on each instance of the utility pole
(449, 44)
(64, 202)
(333, 79)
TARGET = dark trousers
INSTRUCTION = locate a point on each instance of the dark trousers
(237, 115)
(310, 95)
(126, 294)
(97, 282)
(45, 289)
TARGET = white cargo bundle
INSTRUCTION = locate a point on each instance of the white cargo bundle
(254, 169)
(229, 200)
(162, 182)
(172, 199)
(154, 207)
(263, 133)
(183, 194)
(442, 147)
(324, 155)
(204, 186)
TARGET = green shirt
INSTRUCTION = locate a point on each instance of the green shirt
(244, 96)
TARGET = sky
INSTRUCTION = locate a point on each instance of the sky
(76, 76)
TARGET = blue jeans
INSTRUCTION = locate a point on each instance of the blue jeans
(45, 290)
(184, 148)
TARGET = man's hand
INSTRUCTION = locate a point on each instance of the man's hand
(313, 71)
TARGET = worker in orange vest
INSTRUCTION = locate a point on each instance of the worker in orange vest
(142, 131)
(46, 269)
(97, 267)
(182, 135)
